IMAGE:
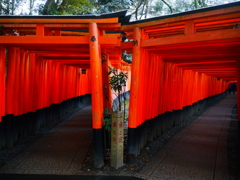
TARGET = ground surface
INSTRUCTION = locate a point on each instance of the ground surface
(66, 149)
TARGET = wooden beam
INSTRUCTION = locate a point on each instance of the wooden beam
(40, 30)
(196, 37)
(60, 21)
(199, 15)
(54, 40)
(189, 27)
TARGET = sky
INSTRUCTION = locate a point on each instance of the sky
(24, 7)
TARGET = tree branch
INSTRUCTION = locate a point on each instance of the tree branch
(171, 10)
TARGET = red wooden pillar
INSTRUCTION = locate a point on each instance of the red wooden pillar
(10, 81)
(107, 96)
(37, 85)
(133, 111)
(2, 92)
(27, 92)
(32, 103)
(17, 82)
(142, 102)
(238, 96)
(97, 105)
(2, 81)
(56, 83)
(21, 82)
(134, 95)
(10, 96)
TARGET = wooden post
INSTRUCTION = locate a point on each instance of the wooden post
(134, 94)
(40, 30)
(10, 81)
(10, 98)
(2, 92)
(117, 139)
(2, 81)
(189, 27)
(238, 96)
(107, 99)
(97, 102)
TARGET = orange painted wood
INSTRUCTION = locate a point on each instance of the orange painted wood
(96, 77)
(238, 86)
(60, 21)
(17, 81)
(107, 96)
(134, 93)
(58, 26)
(189, 27)
(40, 30)
(32, 87)
(55, 40)
(22, 73)
(57, 32)
(3, 81)
(203, 36)
(200, 15)
(10, 81)
(27, 92)
(142, 112)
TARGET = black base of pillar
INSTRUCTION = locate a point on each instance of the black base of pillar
(239, 134)
(9, 137)
(2, 139)
(132, 146)
(98, 148)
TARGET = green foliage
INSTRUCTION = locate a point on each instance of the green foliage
(106, 6)
(8, 7)
(66, 7)
(49, 8)
(75, 7)
(107, 119)
(117, 81)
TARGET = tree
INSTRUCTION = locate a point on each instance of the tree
(148, 8)
(75, 7)
(151, 8)
(106, 6)
(66, 7)
(8, 7)
(31, 6)
(49, 8)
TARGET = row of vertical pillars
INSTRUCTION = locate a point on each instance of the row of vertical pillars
(159, 87)
(151, 129)
(14, 129)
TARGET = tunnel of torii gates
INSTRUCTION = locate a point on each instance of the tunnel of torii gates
(51, 64)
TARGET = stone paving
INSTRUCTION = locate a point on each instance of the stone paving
(198, 151)
(61, 151)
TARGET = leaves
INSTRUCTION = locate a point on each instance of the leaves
(117, 81)
(107, 119)
(66, 7)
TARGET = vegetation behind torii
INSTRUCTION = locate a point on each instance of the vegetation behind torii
(139, 9)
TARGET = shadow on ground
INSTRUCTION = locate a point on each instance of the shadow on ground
(62, 177)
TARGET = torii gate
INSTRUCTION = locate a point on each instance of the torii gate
(178, 61)
(45, 56)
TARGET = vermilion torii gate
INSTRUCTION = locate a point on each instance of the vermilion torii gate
(180, 63)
